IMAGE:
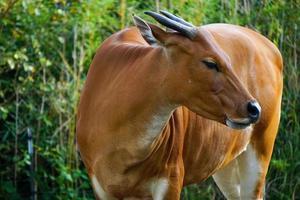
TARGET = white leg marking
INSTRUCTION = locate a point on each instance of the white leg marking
(250, 172)
(228, 180)
(159, 188)
(99, 190)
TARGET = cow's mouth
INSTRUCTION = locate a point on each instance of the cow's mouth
(238, 124)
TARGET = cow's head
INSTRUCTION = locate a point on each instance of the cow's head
(200, 74)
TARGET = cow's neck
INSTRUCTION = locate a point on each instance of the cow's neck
(151, 108)
(152, 120)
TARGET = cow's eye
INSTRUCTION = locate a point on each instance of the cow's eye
(211, 65)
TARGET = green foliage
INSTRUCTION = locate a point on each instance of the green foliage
(45, 49)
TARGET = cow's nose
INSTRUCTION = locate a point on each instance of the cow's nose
(254, 110)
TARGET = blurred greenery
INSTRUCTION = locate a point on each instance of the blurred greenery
(46, 47)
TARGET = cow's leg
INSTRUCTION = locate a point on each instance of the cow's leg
(228, 181)
(173, 191)
(254, 162)
(251, 172)
(166, 189)
(170, 189)
(159, 188)
(100, 194)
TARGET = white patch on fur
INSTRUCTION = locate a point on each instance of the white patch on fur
(155, 126)
(228, 181)
(250, 172)
(159, 188)
(98, 189)
(241, 120)
(247, 131)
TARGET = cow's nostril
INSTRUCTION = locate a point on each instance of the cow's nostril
(253, 110)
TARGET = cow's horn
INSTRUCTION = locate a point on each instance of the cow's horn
(185, 30)
(176, 18)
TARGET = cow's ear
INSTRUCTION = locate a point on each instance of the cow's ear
(150, 32)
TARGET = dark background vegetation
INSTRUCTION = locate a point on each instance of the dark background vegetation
(46, 47)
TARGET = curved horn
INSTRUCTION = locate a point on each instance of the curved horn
(176, 18)
(181, 28)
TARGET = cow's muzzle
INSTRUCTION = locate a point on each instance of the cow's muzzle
(254, 112)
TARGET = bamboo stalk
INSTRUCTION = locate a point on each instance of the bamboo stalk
(38, 132)
(169, 4)
(16, 138)
(74, 52)
(30, 152)
(157, 5)
(295, 46)
(122, 13)
(77, 93)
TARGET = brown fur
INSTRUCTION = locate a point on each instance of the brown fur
(129, 81)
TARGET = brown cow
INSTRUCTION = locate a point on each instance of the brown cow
(164, 109)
